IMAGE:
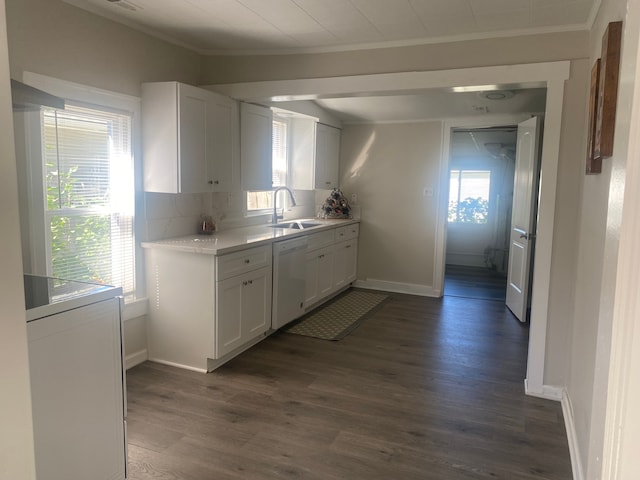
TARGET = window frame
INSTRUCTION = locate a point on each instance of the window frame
(461, 169)
(100, 99)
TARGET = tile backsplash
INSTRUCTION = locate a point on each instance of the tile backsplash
(168, 215)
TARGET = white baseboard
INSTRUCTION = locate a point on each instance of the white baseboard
(397, 287)
(135, 358)
(574, 450)
(549, 392)
(177, 365)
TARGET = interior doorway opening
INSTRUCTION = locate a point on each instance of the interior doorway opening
(480, 179)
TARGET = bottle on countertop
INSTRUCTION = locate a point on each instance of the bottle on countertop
(206, 225)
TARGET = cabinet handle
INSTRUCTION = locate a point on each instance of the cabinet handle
(348, 246)
(247, 261)
(217, 182)
(244, 283)
(210, 182)
(250, 282)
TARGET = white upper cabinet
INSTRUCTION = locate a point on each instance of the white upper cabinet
(315, 154)
(327, 164)
(256, 123)
(188, 138)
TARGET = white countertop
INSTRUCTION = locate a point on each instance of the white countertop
(235, 239)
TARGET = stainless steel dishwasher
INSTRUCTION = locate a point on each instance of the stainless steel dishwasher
(289, 281)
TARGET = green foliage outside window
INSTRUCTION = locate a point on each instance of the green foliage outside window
(80, 244)
(469, 210)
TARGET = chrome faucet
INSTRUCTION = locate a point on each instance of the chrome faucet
(275, 217)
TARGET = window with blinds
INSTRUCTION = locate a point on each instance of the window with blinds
(89, 195)
(264, 200)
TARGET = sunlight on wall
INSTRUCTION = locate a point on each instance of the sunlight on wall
(363, 156)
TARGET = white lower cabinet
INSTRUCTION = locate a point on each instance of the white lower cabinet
(319, 275)
(345, 262)
(77, 387)
(203, 309)
(243, 309)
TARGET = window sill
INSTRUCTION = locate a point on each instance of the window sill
(134, 309)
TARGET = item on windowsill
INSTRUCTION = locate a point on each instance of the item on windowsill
(335, 206)
(206, 226)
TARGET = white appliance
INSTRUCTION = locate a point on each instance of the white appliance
(289, 281)
(77, 379)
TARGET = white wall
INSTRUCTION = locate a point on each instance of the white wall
(90, 50)
(59, 40)
(601, 216)
(388, 166)
(16, 434)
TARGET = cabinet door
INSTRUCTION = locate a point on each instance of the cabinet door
(221, 141)
(193, 166)
(325, 271)
(255, 147)
(256, 303)
(229, 315)
(243, 309)
(188, 138)
(327, 156)
(345, 258)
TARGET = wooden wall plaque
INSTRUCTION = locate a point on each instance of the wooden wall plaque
(608, 91)
(594, 164)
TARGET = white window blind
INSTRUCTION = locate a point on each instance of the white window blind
(264, 200)
(89, 191)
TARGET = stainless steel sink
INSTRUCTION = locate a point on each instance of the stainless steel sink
(296, 225)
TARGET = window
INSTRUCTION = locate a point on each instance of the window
(469, 196)
(89, 195)
(264, 200)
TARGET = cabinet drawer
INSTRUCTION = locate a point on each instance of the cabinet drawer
(320, 239)
(347, 232)
(241, 262)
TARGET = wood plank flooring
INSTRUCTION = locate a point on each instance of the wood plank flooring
(474, 282)
(424, 389)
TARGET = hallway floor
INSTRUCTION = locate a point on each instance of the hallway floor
(474, 282)
(423, 389)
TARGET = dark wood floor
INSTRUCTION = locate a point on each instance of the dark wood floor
(423, 389)
(474, 282)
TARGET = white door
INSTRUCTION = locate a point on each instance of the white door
(525, 188)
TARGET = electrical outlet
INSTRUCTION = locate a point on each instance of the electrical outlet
(428, 192)
(354, 198)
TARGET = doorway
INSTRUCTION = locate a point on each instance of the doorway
(480, 174)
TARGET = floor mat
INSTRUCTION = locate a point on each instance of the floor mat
(339, 318)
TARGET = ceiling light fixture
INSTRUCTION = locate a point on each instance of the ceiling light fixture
(496, 94)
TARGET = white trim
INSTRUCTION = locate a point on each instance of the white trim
(397, 287)
(83, 93)
(548, 392)
(545, 229)
(572, 437)
(531, 75)
(177, 365)
(135, 358)
(621, 431)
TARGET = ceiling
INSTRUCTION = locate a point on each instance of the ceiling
(285, 26)
(434, 104)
